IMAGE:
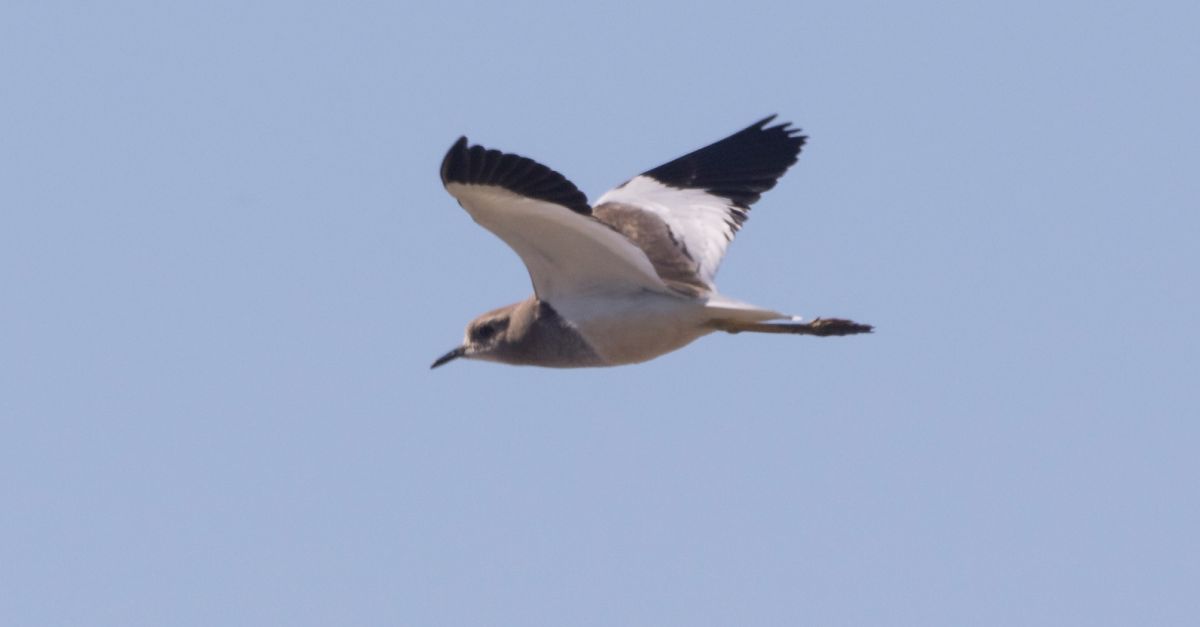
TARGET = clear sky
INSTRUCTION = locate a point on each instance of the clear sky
(227, 262)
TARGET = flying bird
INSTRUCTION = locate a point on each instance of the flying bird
(632, 276)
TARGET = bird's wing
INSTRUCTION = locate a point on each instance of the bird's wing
(548, 222)
(703, 197)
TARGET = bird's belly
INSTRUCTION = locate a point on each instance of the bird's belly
(635, 328)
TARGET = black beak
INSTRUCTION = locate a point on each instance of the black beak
(451, 356)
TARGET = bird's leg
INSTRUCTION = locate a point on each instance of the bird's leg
(820, 327)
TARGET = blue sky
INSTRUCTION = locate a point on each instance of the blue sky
(228, 262)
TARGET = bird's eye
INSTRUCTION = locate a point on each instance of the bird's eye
(484, 332)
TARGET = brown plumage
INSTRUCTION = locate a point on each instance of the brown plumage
(633, 277)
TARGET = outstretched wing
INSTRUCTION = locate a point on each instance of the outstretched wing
(548, 222)
(703, 197)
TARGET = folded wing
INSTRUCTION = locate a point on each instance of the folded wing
(548, 222)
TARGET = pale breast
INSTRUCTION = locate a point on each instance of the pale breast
(634, 328)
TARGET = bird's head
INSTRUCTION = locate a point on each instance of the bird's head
(486, 337)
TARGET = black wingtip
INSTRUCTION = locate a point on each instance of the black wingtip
(740, 167)
(765, 121)
(785, 128)
(476, 165)
(454, 159)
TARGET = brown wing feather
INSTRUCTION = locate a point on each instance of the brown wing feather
(669, 256)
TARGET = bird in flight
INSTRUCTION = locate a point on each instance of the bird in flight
(631, 277)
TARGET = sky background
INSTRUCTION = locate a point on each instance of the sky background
(227, 262)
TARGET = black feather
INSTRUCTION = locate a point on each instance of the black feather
(476, 165)
(740, 167)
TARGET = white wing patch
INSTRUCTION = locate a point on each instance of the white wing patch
(568, 255)
(697, 203)
(701, 222)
